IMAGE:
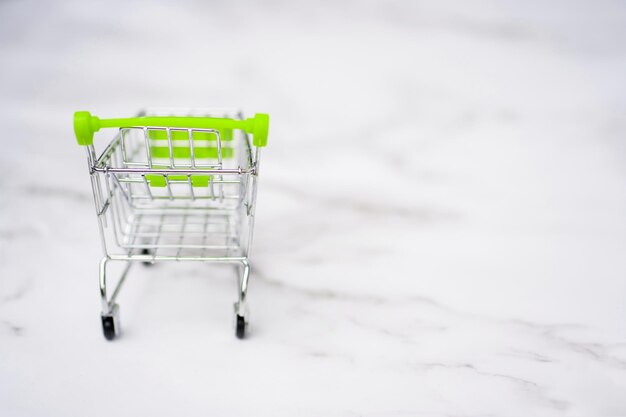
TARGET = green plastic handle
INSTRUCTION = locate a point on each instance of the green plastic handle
(85, 125)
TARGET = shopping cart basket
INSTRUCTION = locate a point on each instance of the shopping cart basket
(174, 185)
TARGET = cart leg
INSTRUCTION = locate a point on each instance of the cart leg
(241, 306)
(110, 310)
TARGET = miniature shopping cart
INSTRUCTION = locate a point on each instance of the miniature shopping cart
(174, 185)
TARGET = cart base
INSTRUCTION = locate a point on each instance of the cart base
(110, 309)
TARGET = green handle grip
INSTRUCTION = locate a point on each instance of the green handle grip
(85, 125)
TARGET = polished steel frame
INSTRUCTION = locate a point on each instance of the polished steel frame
(178, 222)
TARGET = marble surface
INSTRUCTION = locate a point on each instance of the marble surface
(441, 220)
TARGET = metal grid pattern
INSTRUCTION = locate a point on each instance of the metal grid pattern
(176, 193)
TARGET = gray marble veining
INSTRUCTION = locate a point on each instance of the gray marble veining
(440, 225)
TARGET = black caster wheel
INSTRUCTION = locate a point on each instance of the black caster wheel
(147, 252)
(240, 327)
(111, 324)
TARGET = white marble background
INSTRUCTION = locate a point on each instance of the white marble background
(441, 221)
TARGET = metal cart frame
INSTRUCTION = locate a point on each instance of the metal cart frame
(191, 198)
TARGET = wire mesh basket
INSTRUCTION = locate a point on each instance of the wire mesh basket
(175, 185)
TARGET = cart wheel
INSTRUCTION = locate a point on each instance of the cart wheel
(111, 324)
(240, 324)
(147, 252)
